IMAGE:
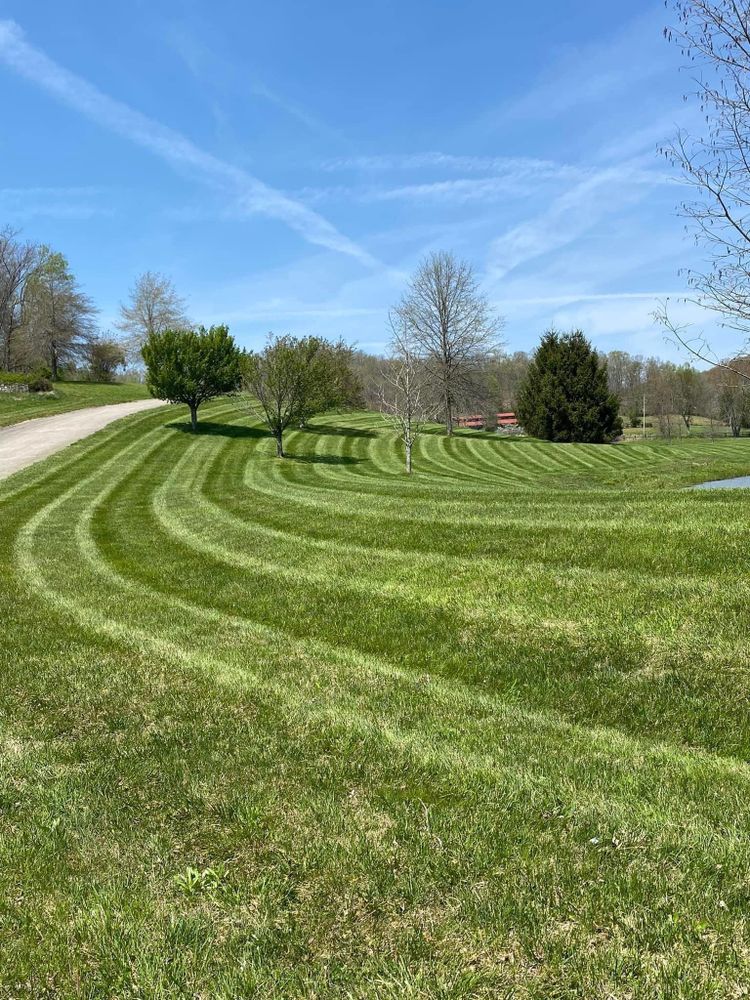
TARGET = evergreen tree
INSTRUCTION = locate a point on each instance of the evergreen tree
(192, 366)
(565, 396)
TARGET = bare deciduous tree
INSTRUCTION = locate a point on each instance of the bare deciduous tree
(695, 344)
(154, 307)
(17, 264)
(449, 325)
(714, 36)
(690, 395)
(403, 390)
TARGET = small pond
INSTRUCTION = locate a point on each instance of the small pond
(739, 483)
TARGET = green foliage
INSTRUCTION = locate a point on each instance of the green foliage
(40, 381)
(37, 381)
(194, 881)
(331, 382)
(192, 366)
(104, 356)
(294, 378)
(565, 396)
(14, 378)
(59, 317)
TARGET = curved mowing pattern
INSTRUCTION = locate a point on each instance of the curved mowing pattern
(311, 728)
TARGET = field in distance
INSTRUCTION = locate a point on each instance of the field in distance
(16, 406)
(310, 728)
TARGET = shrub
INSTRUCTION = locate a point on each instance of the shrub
(39, 382)
(105, 356)
(14, 378)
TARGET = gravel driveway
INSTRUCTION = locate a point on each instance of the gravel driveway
(31, 440)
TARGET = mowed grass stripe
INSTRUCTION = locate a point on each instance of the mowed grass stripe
(505, 794)
(478, 653)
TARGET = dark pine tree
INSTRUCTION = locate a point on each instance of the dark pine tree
(565, 396)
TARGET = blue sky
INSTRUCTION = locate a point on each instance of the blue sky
(288, 164)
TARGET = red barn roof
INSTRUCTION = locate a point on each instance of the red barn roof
(476, 421)
(506, 419)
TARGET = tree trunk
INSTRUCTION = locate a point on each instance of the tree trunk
(448, 415)
(193, 416)
(279, 445)
(408, 457)
(53, 362)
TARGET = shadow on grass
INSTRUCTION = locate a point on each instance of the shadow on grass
(351, 432)
(323, 459)
(210, 429)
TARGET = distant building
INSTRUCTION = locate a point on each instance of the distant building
(506, 421)
(476, 422)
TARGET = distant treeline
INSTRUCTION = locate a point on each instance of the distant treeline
(674, 394)
(48, 325)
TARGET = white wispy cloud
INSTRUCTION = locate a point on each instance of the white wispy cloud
(21, 204)
(568, 299)
(252, 195)
(508, 176)
(200, 47)
(449, 162)
(593, 73)
(512, 177)
(461, 191)
(570, 216)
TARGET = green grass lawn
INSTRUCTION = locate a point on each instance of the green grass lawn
(308, 728)
(700, 427)
(15, 407)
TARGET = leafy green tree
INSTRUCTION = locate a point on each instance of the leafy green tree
(331, 382)
(565, 396)
(192, 366)
(58, 317)
(294, 378)
(104, 356)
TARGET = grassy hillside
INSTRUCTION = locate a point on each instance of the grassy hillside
(310, 729)
(67, 396)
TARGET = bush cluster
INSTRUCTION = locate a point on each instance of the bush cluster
(40, 382)
(36, 381)
(14, 378)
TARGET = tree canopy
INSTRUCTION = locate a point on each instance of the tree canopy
(192, 366)
(293, 378)
(104, 356)
(565, 396)
(58, 316)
